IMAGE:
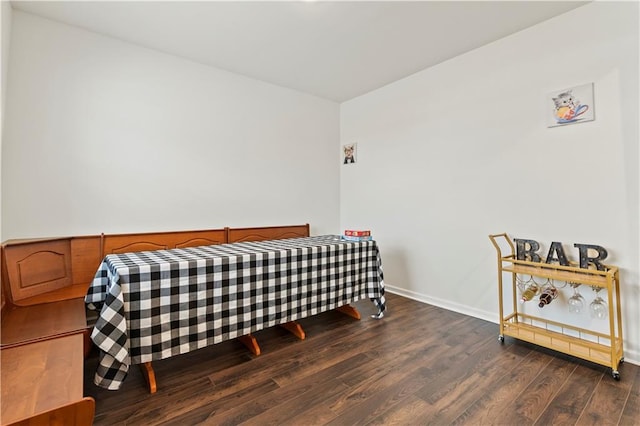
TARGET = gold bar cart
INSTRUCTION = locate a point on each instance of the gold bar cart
(601, 348)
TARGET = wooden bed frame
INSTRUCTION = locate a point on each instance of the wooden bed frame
(44, 282)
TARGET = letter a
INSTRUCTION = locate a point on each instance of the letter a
(557, 248)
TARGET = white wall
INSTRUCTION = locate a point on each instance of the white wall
(106, 136)
(6, 12)
(461, 150)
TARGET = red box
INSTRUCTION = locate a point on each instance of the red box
(354, 233)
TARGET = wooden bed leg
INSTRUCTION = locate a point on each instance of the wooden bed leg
(149, 376)
(349, 310)
(295, 329)
(251, 343)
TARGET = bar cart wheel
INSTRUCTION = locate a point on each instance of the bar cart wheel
(501, 338)
(615, 374)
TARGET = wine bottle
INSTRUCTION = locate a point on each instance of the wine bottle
(529, 293)
(547, 296)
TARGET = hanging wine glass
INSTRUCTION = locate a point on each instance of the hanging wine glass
(598, 307)
(521, 283)
(576, 301)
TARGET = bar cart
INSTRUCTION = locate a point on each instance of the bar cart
(601, 348)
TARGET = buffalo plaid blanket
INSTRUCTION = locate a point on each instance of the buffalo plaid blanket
(157, 304)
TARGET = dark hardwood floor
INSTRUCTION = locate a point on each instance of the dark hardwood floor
(420, 365)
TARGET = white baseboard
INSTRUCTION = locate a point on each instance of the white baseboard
(445, 304)
(629, 356)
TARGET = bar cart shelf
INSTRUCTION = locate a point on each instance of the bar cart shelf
(601, 348)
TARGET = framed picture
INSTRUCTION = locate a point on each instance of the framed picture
(572, 105)
(349, 153)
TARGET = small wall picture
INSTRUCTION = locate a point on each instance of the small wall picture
(349, 153)
(569, 106)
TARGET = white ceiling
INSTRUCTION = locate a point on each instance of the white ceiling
(335, 50)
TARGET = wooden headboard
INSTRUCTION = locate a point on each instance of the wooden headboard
(235, 235)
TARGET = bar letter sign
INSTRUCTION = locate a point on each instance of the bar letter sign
(527, 250)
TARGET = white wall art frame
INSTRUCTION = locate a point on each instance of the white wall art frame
(349, 152)
(570, 106)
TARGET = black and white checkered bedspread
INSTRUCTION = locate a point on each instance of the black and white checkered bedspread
(157, 304)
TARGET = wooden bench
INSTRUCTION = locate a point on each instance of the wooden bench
(44, 282)
(25, 324)
(42, 338)
(40, 378)
(54, 269)
(237, 235)
(78, 413)
(41, 299)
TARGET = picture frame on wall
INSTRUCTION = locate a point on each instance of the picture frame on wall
(570, 106)
(349, 153)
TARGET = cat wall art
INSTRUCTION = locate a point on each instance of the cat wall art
(569, 106)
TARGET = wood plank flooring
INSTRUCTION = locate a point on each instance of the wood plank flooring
(420, 365)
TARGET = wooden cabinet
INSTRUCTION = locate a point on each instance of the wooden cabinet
(603, 348)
